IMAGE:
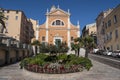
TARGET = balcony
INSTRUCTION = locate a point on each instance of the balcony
(9, 42)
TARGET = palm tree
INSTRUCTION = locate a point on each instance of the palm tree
(74, 47)
(2, 18)
(88, 44)
(36, 43)
(78, 44)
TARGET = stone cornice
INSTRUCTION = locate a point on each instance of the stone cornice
(58, 29)
(49, 13)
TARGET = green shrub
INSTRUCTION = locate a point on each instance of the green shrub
(37, 61)
(88, 64)
(41, 56)
(44, 48)
(68, 61)
(25, 62)
(53, 58)
(84, 62)
(71, 57)
(54, 49)
(62, 57)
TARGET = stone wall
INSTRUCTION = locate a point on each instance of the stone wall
(12, 55)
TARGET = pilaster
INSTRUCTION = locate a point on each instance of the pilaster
(78, 32)
(37, 30)
(68, 33)
(46, 25)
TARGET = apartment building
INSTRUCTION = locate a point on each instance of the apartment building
(30, 31)
(112, 29)
(91, 30)
(35, 25)
(18, 26)
(58, 28)
(100, 28)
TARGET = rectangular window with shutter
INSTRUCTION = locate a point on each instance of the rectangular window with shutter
(16, 17)
(115, 19)
(43, 38)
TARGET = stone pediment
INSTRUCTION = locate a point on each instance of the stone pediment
(59, 12)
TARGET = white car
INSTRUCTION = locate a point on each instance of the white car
(119, 55)
(109, 53)
(116, 54)
(95, 50)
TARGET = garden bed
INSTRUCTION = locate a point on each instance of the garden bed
(56, 64)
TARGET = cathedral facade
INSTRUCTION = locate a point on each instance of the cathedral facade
(58, 28)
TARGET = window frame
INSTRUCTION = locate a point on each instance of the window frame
(72, 38)
(118, 47)
(109, 23)
(43, 38)
(116, 34)
(16, 17)
(60, 23)
(115, 19)
(110, 35)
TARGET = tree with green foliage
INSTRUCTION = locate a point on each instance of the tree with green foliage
(54, 49)
(63, 48)
(77, 45)
(44, 48)
(36, 44)
(88, 42)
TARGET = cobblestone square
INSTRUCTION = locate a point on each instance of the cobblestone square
(99, 71)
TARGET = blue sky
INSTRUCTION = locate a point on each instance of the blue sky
(85, 11)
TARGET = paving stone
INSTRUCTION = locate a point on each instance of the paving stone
(99, 71)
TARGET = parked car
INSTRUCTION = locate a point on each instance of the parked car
(109, 53)
(95, 50)
(105, 52)
(100, 52)
(116, 54)
(119, 55)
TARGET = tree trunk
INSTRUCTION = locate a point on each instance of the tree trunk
(86, 53)
(78, 51)
(35, 50)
